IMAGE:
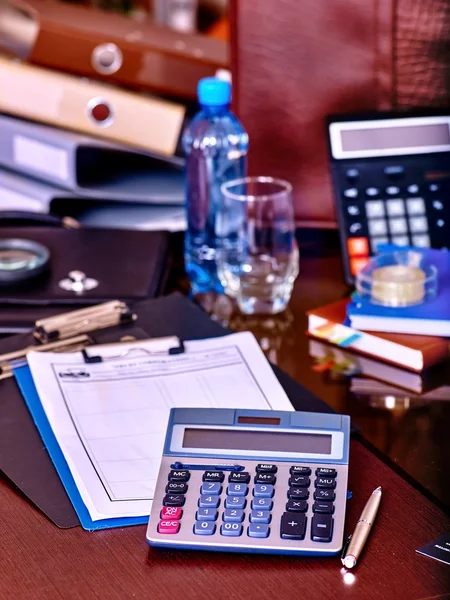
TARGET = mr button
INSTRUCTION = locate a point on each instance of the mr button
(213, 476)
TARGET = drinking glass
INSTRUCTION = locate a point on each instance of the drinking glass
(258, 259)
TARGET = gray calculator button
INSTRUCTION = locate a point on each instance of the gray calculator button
(377, 227)
(233, 515)
(400, 240)
(421, 240)
(395, 208)
(392, 190)
(260, 516)
(206, 514)
(263, 490)
(351, 193)
(235, 502)
(378, 241)
(374, 209)
(211, 487)
(204, 528)
(438, 205)
(262, 504)
(258, 530)
(237, 489)
(231, 529)
(413, 188)
(372, 191)
(208, 501)
(398, 226)
(415, 206)
(418, 224)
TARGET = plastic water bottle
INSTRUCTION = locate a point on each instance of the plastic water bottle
(215, 144)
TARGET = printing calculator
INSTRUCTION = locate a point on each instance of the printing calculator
(391, 178)
(252, 481)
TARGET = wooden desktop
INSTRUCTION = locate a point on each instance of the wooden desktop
(41, 561)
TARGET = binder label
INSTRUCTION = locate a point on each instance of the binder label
(40, 157)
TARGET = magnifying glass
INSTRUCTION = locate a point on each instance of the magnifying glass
(21, 260)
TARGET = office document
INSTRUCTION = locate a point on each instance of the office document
(110, 417)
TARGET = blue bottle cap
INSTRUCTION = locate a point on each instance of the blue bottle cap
(212, 91)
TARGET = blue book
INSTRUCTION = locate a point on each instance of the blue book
(430, 318)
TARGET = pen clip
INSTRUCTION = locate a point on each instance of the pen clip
(345, 548)
(175, 346)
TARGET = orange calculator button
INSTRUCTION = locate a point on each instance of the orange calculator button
(356, 264)
(358, 246)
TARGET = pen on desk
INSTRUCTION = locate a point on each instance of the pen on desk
(355, 542)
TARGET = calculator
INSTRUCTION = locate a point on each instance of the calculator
(252, 481)
(391, 179)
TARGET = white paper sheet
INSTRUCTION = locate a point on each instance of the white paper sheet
(110, 418)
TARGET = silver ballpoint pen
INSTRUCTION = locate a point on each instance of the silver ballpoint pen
(355, 543)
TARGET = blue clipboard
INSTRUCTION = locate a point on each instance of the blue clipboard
(26, 384)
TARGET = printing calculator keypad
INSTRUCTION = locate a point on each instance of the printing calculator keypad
(242, 504)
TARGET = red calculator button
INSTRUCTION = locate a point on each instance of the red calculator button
(171, 512)
(356, 264)
(168, 526)
(358, 246)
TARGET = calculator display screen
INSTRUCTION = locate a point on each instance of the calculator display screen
(236, 439)
(411, 136)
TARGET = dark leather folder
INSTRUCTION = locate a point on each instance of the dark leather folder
(23, 458)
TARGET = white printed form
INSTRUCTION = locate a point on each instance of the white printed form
(110, 418)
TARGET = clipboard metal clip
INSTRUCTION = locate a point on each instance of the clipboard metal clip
(85, 320)
(166, 345)
(13, 360)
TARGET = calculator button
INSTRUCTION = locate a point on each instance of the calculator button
(413, 189)
(394, 171)
(213, 476)
(374, 209)
(415, 206)
(437, 205)
(174, 500)
(258, 530)
(324, 495)
(326, 472)
(418, 224)
(352, 174)
(326, 508)
(171, 512)
(440, 223)
(208, 501)
(397, 226)
(372, 192)
(235, 502)
(395, 208)
(176, 487)
(355, 228)
(392, 190)
(204, 528)
(421, 240)
(233, 515)
(242, 477)
(266, 468)
(262, 504)
(168, 526)
(179, 475)
(298, 470)
(377, 227)
(326, 483)
(297, 492)
(357, 247)
(260, 516)
(356, 264)
(293, 527)
(377, 242)
(400, 240)
(263, 490)
(434, 187)
(211, 487)
(321, 528)
(231, 529)
(265, 478)
(351, 193)
(299, 481)
(353, 210)
(237, 489)
(296, 506)
(206, 514)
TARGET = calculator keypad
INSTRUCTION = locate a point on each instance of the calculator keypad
(261, 502)
(380, 204)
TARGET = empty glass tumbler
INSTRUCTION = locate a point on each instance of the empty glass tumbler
(258, 260)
